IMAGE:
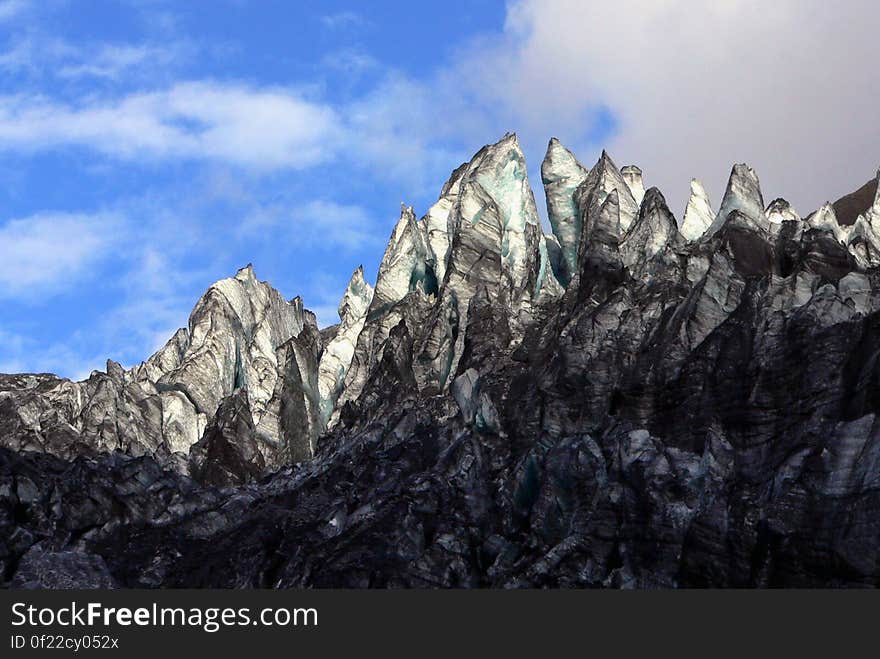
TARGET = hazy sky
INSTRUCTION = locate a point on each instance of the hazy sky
(149, 148)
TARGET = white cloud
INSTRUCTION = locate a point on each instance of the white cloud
(788, 86)
(259, 128)
(46, 253)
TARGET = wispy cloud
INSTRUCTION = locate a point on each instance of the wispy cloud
(113, 60)
(18, 56)
(46, 253)
(264, 128)
(344, 20)
(22, 354)
(10, 9)
(350, 61)
(318, 222)
(41, 55)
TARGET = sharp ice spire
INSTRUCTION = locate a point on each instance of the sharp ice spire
(698, 216)
(561, 174)
(633, 177)
(338, 354)
(743, 194)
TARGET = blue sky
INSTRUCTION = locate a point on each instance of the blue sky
(149, 148)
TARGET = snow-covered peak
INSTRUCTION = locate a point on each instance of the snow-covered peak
(698, 215)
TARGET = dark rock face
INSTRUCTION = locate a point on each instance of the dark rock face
(684, 411)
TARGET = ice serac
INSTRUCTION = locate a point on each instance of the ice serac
(404, 264)
(289, 428)
(872, 215)
(633, 177)
(406, 271)
(780, 211)
(605, 178)
(561, 174)
(337, 355)
(698, 216)
(435, 223)
(163, 406)
(601, 233)
(863, 239)
(496, 242)
(651, 233)
(743, 195)
(228, 453)
(825, 219)
(500, 170)
(234, 331)
(166, 359)
(476, 261)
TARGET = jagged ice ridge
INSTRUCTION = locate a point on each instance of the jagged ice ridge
(629, 400)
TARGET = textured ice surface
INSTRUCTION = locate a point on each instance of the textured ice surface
(338, 353)
(743, 194)
(780, 211)
(561, 174)
(633, 177)
(825, 219)
(698, 216)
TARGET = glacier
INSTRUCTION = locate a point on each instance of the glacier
(629, 400)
